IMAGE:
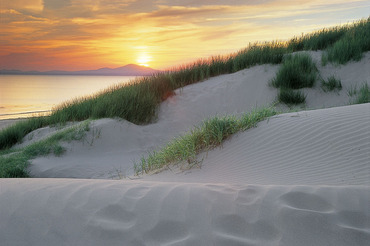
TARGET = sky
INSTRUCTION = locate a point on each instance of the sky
(90, 34)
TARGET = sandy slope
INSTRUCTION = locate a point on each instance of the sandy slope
(297, 179)
(97, 212)
(318, 147)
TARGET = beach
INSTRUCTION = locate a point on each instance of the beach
(298, 178)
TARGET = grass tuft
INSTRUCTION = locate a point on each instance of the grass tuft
(290, 97)
(332, 83)
(298, 71)
(210, 134)
(363, 95)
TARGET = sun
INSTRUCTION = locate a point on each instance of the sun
(143, 60)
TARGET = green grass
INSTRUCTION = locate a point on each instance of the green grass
(363, 94)
(318, 40)
(297, 71)
(210, 134)
(14, 162)
(290, 97)
(351, 45)
(332, 83)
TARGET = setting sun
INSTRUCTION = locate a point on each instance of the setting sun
(143, 60)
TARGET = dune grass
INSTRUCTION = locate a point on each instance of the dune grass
(343, 43)
(318, 40)
(210, 134)
(291, 97)
(352, 44)
(362, 94)
(332, 83)
(14, 162)
(297, 71)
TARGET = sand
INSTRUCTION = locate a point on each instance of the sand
(299, 178)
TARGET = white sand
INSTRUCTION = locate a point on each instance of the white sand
(97, 212)
(297, 179)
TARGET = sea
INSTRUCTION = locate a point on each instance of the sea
(24, 96)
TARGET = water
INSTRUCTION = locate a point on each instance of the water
(29, 95)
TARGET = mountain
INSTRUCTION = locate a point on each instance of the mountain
(128, 70)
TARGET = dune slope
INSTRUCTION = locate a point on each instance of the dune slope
(97, 212)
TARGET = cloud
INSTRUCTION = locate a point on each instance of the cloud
(35, 5)
(56, 4)
(108, 31)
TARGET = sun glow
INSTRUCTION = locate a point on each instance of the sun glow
(144, 59)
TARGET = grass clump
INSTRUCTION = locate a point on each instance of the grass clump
(14, 162)
(210, 134)
(297, 71)
(332, 83)
(363, 94)
(290, 97)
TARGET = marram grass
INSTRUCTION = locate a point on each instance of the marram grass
(14, 162)
(363, 94)
(331, 84)
(210, 134)
(290, 96)
(297, 71)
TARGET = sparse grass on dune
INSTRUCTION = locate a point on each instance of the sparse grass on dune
(362, 95)
(210, 134)
(13, 163)
(331, 84)
(291, 97)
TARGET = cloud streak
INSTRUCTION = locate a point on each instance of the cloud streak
(87, 34)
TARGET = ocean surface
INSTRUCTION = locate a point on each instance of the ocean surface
(30, 95)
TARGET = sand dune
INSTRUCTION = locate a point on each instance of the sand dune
(297, 179)
(93, 212)
(112, 146)
(318, 147)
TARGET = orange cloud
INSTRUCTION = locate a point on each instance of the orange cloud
(86, 34)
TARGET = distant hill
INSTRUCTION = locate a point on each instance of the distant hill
(128, 70)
